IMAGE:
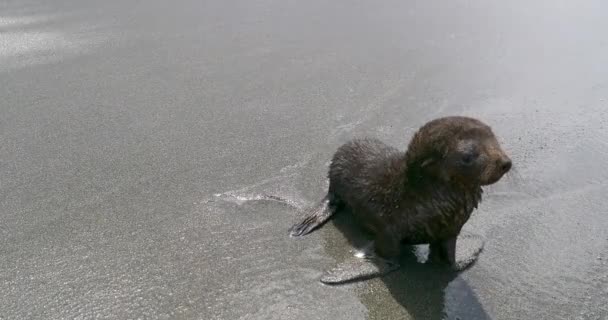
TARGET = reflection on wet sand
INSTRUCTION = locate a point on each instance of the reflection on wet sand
(419, 290)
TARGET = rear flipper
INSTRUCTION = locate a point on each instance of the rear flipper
(365, 265)
(314, 218)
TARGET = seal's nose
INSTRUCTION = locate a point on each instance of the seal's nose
(505, 164)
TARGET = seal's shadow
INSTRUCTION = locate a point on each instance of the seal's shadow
(420, 288)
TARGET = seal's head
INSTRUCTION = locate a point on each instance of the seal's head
(458, 150)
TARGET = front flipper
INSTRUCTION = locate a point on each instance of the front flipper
(468, 250)
(364, 265)
(458, 257)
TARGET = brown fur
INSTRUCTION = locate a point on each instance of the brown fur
(424, 195)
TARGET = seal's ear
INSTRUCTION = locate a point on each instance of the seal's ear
(432, 166)
(427, 162)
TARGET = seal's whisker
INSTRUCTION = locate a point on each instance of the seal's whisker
(515, 176)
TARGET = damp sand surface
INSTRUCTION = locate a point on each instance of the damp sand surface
(153, 154)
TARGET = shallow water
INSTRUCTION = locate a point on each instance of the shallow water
(153, 154)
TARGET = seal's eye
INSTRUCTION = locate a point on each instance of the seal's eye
(469, 157)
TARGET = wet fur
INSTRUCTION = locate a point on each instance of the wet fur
(421, 196)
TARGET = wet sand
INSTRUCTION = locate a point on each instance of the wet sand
(139, 140)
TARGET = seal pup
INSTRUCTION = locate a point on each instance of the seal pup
(422, 196)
